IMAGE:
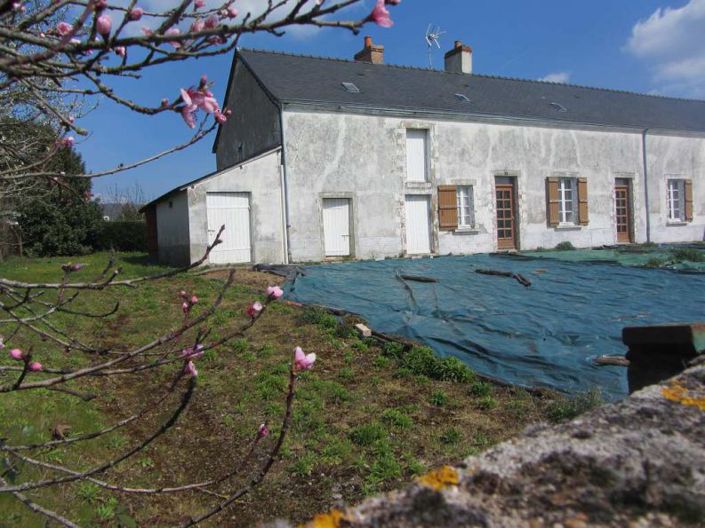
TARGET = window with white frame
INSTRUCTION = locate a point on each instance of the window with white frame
(568, 200)
(676, 194)
(466, 207)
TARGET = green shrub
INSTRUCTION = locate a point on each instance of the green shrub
(481, 389)
(656, 262)
(487, 403)
(397, 418)
(122, 236)
(393, 350)
(422, 361)
(568, 408)
(368, 434)
(318, 316)
(438, 398)
(451, 436)
(565, 246)
(452, 369)
(688, 255)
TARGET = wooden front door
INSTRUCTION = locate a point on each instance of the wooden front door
(506, 217)
(623, 213)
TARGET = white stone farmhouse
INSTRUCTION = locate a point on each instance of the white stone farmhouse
(327, 158)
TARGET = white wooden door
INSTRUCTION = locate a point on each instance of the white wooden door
(418, 226)
(336, 226)
(233, 211)
(416, 155)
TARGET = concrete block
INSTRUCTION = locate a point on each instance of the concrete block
(363, 330)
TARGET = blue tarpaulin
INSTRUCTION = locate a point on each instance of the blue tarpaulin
(546, 335)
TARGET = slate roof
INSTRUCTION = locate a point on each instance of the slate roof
(303, 79)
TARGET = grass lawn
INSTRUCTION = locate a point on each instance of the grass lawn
(366, 419)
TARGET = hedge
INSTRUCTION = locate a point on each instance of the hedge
(123, 236)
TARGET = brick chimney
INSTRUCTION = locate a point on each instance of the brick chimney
(459, 59)
(373, 53)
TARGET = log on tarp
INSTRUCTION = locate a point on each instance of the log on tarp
(516, 276)
(418, 278)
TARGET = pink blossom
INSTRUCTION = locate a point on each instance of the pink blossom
(120, 50)
(17, 354)
(220, 117)
(254, 309)
(190, 369)
(187, 112)
(197, 25)
(70, 268)
(67, 142)
(165, 102)
(18, 6)
(192, 353)
(211, 22)
(135, 13)
(194, 299)
(216, 39)
(380, 15)
(147, 32)
(172, 32)
(63, 28)
(262, 431)
(103, 25)
(199, 4)
(186, 307)
(100, 5)
(230, 12)
(35, 366)
(185, 97)
(274, 292)
(182, 293)
(303, 361)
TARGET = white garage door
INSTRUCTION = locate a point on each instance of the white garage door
(336, 226)
(418, 231)
(233, 211)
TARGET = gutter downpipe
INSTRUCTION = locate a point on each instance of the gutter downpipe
(285, 190)
(646, 185)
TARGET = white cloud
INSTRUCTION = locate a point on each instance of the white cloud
(557, 77)
(254, 7)
(671, 42)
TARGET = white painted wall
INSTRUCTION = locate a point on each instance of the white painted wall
(261, 178)
(364, 157)
(173, 229)
(670, 157)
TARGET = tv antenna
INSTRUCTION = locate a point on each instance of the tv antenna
(433, 37)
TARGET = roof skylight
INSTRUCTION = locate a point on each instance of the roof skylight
(462, 97)
(350, 87)
(559, 107)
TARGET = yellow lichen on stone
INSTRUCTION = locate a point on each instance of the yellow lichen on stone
(678, 393)
(441, 478)
(325, 520)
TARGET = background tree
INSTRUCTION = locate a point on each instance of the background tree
(58, 217)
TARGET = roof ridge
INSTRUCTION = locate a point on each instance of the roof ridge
(483, 75)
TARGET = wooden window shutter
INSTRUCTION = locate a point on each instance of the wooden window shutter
(582, 201)
(447, 208)
(688, 192)
(553, 201)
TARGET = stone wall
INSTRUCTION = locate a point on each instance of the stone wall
(637, 463)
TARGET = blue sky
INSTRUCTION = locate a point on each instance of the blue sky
(649, 46)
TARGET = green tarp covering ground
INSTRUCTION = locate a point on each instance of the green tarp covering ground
(546, 335)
